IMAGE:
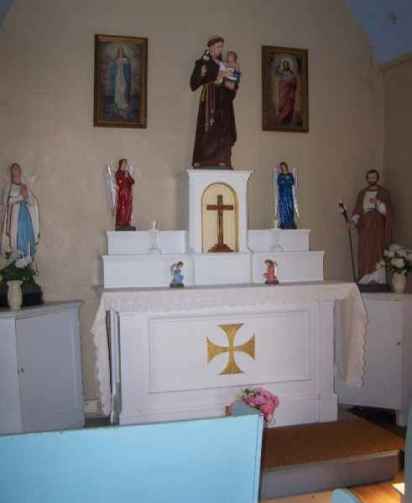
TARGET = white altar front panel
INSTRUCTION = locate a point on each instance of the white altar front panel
(131, 312)
(174, 369)
(166, 373)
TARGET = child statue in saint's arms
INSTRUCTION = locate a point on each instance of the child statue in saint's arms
(229, 71)
(232, 67)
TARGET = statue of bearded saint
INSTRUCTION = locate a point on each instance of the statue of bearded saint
(372, 217)
(19, 218)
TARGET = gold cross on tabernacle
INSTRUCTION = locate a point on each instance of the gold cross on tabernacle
(214, 349)
(220, 246)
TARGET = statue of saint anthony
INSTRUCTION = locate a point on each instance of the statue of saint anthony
(373, 218)
(216, 128)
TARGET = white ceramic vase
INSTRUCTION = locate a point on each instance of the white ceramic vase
(399, 282)
(14, 295)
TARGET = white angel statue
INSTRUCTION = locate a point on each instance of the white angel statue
(19, 217)
(286, 203)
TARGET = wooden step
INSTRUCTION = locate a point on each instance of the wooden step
(316, 457)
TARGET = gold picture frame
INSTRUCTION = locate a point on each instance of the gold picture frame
(285, 93)
(120, 81)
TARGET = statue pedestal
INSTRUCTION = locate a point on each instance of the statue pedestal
(217, 220)
(130, 263)
(205, 185)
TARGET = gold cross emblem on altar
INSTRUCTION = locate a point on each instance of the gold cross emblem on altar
(214, 349)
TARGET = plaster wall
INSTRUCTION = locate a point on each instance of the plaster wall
(398, 146)
(46, 122)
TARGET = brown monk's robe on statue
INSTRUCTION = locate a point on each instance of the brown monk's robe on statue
(216, 128)
(375, 231)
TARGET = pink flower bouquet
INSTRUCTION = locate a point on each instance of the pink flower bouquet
(261, 399)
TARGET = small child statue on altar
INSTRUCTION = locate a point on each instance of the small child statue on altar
(177, 275)
(271, 272)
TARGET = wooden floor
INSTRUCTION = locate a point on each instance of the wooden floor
(351, 435)
(382, 493)
(378, 493)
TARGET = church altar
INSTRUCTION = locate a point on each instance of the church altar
(186, 353)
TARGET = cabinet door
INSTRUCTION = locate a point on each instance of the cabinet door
(49, 371)
(383, 376)
(10, 414)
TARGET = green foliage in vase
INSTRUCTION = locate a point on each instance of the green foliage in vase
(16, 269)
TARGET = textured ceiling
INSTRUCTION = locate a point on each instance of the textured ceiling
(388, 24)
(4, 7)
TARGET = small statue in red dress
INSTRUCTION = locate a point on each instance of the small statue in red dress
(271, 272)
(124, 199)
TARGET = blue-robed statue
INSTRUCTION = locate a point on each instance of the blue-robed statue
(19, 218)
(286, 207)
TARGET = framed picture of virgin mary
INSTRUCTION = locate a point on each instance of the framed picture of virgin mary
(285, 97)
(120, 81)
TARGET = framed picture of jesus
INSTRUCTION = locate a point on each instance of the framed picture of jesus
(120, 81)
(285, 97)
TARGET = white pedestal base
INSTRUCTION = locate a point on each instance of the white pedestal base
(222, 268)
(293, 267)
(130, 263)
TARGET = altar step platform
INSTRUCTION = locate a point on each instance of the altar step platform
(136, 260)
(318, 457)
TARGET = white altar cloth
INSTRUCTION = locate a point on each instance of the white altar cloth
(353, 317)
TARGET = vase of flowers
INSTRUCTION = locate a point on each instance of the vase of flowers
(397, 261)
(21, 270)
(399, 282)
(263, 400)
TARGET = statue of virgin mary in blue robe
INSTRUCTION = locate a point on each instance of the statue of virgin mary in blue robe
(285, 197)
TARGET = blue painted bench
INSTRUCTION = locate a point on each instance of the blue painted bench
(202, 461)
(344, 496)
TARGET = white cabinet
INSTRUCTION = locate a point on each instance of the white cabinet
(40, 369)
(388, 376)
